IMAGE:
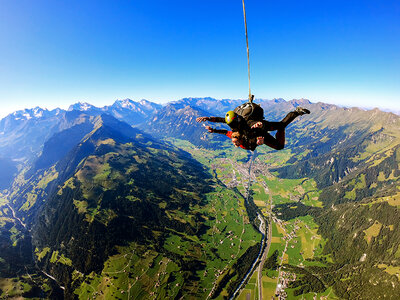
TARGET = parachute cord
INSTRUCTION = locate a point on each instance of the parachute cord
(248, 55)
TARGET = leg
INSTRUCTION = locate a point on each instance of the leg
(290, 117)
(294, 114)
(277, 142)
(280, 137)
(271, 126)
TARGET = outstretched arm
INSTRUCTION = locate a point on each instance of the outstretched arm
(220, 131)
(211, 119)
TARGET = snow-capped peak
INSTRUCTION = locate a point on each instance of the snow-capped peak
(38, 112)
(29, 113)
(82, 106)
(126, 103)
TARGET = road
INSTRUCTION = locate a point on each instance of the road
(51, 277)
(15, 216)
(269, 235)
(262, 261)
(252, 268)
(28, 231)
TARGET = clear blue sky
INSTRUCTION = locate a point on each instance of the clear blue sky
(55, 53)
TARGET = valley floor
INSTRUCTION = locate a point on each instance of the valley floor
(297, 240)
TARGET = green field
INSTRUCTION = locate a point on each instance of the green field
(305, 245)
(146, 272)
(142, 273)
(251, 289)
(327, 295)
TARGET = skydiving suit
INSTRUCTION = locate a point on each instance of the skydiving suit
(249, 135)
(245, 144)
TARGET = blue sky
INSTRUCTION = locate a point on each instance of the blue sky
(55, 53)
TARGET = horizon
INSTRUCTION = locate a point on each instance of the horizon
(336, 52)
(66, 108)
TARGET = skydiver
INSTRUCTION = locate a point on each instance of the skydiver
(253, 133)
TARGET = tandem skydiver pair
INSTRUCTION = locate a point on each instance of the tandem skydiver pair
(249, 129)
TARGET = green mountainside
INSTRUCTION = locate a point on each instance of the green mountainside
(341, 167)
(353, 156)
(178, 120)
(121, 209)
(107, 211)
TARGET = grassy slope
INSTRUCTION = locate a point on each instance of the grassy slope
(378, 144)
(134, 271)
(307, 245)
(141, 270)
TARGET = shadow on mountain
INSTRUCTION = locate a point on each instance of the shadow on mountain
(8, 170)
(117, 186)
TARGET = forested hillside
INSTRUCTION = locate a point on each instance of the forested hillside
(96, 208)
(354, 159)
(102, 191)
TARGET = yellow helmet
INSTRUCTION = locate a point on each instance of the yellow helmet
(230, 117)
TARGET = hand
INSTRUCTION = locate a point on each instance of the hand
(202, 119)
(209, 129)
(260, 140)
(257, 125)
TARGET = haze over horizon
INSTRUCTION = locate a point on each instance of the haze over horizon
(111, 103)
(336, 52)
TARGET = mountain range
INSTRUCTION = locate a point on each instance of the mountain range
(111, 197)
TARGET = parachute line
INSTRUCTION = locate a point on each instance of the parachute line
(248, 54)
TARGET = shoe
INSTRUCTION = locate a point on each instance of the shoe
(302, 111)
